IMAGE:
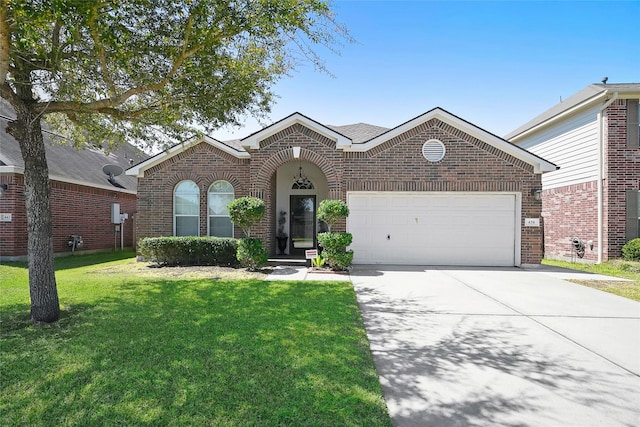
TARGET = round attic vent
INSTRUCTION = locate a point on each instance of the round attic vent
(433, 150)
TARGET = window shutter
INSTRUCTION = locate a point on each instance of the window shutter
(632, 215)
(633, 136)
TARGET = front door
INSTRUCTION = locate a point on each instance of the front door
(302, 228)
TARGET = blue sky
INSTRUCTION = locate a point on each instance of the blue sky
(496, 64)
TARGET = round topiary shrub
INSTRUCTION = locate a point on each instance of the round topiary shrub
(631, 250)
(334, 249)
(245, 212)
(334, 245)
(334, 242)
(331, 211)
(251, 254)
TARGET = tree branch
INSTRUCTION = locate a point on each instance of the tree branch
(7, 93)
(54, 54)
(111, 87)
(63, 107)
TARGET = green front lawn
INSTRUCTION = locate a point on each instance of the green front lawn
(616, 268)
(143, 350)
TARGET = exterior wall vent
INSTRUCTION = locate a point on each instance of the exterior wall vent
(433, 150)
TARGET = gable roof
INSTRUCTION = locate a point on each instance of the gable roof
(357, 138)
(230, 147)
(586, 97)
(253, 141)
(539, 164)
(67, 164)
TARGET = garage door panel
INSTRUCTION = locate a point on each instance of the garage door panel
(433, 229)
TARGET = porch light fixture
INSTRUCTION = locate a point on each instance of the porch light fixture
(300, 181)
(3, 189)
(536, 193)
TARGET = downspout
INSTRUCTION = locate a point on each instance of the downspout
(601, 172)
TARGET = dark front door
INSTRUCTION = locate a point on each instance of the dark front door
(303, 223)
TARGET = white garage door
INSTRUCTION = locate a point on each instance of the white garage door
(475, 229)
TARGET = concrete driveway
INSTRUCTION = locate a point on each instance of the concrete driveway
(500, 347)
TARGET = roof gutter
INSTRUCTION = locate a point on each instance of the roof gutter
(601, 172)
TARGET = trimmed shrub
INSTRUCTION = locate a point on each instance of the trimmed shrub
(331, 211)
(251, 254)
(631, 250)
(338, 261)
(190, 250)
(334, 241)
(334, 249)
(245, 212)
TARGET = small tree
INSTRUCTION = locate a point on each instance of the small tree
(334, 245)
(245, 212)
(331, 211)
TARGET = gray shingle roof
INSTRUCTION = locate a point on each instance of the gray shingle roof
(589, 92)
(67, 163)
(235, 144)
(359, 132)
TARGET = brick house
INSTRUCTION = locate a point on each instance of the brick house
(82, 196)
(594, 196)
(435, 190)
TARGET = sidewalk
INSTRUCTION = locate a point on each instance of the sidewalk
(286, 272)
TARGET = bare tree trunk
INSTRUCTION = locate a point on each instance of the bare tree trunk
(5, 42)
(27, 130)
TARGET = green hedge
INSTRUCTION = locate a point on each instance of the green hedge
(190, 250)
(631, 250)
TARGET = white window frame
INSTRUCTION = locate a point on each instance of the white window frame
(176, 215)
(210, 193)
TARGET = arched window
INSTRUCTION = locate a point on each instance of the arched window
(220, 195)
(186, 209)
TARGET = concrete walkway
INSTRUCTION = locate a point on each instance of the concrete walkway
(285, 272)
(500, 347)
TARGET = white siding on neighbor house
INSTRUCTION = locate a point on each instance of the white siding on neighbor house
(571, 144)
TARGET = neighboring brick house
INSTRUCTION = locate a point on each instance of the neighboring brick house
(436, 190)
(82, 196)
(593, 137)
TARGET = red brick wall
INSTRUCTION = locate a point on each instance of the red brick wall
(397, 165)
(13, 237)
(622, 169)
(276, 151)
(76, 209)
(202, 164)
(570, 212)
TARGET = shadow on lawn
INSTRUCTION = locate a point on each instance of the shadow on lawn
(456, 370)
(196, 352)
(75, 261)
